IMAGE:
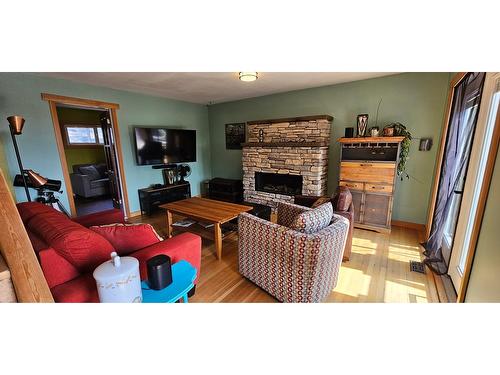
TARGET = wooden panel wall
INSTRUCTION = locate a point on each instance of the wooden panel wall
(15, 246)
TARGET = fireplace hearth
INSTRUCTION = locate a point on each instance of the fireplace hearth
(276, 183)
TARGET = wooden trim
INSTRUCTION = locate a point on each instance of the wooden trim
(481, 205)
(134, 214)
(112, 107)
(409, 225)
(291, 119)
(457, 78)
(27, 276)
(371, 140)
(118, 148)
(79, 102)
(375, 228)
(62, 156)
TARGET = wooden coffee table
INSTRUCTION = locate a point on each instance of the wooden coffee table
(207, 210)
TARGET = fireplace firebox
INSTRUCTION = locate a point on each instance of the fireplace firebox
(277, 183)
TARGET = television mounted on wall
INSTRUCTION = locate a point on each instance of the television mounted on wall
(154, 146)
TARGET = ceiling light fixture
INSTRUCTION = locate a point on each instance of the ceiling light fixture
(248, 76)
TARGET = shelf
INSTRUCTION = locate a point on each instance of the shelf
(371, 140)
(207, 233)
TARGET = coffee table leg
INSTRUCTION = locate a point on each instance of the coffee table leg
(169, 224)
(218, 240)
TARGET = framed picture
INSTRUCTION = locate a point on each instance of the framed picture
(235, 136)
(362, 124)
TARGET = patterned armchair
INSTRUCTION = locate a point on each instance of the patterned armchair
(342, 205)
(291, 265)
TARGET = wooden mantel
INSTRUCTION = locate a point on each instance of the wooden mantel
(292, 119)
(285, 144)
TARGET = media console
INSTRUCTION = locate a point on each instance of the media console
(150, 198)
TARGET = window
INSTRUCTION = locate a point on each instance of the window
(84, 135)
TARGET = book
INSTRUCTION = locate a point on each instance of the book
(184, 223)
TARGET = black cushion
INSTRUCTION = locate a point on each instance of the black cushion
(102, 169)
(90, 171)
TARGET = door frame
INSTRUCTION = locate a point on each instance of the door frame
(54, 100)
(455, 81)
(472, 180)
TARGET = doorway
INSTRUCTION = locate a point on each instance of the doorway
(89, 149)
(83, 139)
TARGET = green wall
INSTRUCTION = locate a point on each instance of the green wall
(415, 99)
(80, 154)
(484, 282)
(20, 94)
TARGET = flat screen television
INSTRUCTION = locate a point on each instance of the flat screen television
(155, 146)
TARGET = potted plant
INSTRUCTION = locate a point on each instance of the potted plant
(399, 130)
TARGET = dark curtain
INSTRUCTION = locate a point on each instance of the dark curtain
(463, 118)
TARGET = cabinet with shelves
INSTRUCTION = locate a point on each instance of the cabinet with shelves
(368, 167)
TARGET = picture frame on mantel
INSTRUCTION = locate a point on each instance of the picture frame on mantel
(235, 135)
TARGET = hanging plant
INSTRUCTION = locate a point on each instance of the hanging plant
(401, 131)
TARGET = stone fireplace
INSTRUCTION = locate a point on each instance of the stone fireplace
(286, 157)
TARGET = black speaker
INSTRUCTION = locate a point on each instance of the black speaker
(159, 272)
(349, 132)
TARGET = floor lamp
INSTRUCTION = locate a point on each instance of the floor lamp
(16, 124)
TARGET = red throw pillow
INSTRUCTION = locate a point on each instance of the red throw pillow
(28, 210)
(127, 238)
(80, 246)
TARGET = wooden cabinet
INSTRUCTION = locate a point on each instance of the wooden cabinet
(368, 168)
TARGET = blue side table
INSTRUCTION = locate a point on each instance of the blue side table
(183, 275)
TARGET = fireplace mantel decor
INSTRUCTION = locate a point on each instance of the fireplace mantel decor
(293, 147)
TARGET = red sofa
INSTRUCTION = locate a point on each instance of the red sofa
(69, 251)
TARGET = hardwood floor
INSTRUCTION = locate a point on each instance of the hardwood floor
(378, 270)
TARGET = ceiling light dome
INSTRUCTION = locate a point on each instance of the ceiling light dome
(248, 76)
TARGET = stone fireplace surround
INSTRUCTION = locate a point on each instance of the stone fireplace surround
(294, 146)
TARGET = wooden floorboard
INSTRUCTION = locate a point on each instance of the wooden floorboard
(378, 270)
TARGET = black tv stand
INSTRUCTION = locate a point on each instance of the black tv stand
(152, 197)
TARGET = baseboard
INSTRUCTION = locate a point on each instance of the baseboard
(407, 224)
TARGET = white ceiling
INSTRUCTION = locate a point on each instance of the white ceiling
(211, 88)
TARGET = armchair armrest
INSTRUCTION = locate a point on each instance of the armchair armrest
(80, 183)
(305, 200)
(349, 215)
(287, 212)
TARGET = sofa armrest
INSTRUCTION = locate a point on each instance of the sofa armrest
(185, 246)
(112, 216)
(287, 212)
(56, 269)
(80, 184)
